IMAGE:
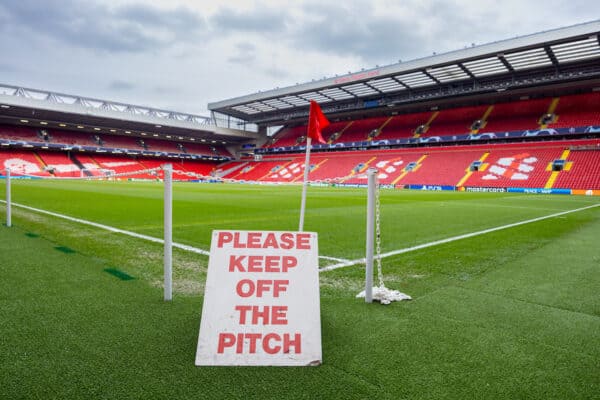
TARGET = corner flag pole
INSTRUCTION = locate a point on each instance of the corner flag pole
(305, 183)
(168, 231)
(370, 235)
(316, 122)
(8, 200)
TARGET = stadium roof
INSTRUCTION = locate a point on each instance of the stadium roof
(559, 55)
(33, 107)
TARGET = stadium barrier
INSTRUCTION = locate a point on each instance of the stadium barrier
(549, 132)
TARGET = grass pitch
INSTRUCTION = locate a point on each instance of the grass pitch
(509, 314)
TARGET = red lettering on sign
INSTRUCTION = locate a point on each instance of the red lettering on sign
(255, 263)
(296, 343)
(279, 315)
(287, 241)
(253, 239)
(271, 343)
(224, 237)
(253, 338)
(271, 242)
(261, 263)
(243, 310)
(262, 315)
(280, 286)
(262, 240)
(225, 340)
(267, 346)
(303, 241)
(235, 262)
(247, 287)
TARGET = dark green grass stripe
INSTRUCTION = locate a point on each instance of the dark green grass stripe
(32, 235)
(65, 249)
(119, 274)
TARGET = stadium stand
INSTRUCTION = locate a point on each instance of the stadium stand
(578, 110)
(288, 137)
(59, 164)
(19, 133)
(361, 130)
(65, 137)
(457, 121)
(526, 165)
(517, 115)
(581, 170)
(23, 163)
(404, 126)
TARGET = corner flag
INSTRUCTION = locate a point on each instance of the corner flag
(316, 123)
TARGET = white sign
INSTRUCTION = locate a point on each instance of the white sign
(261, 301)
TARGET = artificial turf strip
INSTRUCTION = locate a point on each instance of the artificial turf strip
(513, 314)
(65, 249)
(119, 274)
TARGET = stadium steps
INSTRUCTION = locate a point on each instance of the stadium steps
(231, 170)
(584, 173)
(483, 119)
(354, 173)
(344, 129)
(427, 125)
(81, 167)
(42, 163)
(380, 128)
(317, 166)
(469, 172)
(406, 172)
(554, 175)
(551, 109)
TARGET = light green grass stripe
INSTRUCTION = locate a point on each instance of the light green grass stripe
(454, 238)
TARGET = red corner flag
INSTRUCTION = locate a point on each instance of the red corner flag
(316, 122)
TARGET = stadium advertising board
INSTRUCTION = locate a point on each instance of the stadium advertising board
(261, 301)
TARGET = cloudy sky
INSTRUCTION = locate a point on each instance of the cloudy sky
(182, 54)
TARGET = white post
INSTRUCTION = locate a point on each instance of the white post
(168, 231)
(370, 235)
(305, 184)
(8, 200)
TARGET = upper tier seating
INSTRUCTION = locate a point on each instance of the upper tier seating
(517, 115)
(578, 110)
(456, 121)
(359, 130)
(404, 126)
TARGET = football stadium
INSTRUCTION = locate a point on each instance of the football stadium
(467, 182)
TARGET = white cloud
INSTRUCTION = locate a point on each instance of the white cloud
(182, 54)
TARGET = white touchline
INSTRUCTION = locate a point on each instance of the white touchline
(341, 264)
(452, 239)
(112, 229)
(132, 234)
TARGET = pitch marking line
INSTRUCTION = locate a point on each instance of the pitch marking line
(343, 263)
(452, 239)
(132, 234)
(111, 229)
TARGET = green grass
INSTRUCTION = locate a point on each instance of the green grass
(506, 315)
